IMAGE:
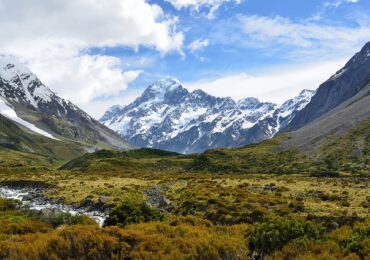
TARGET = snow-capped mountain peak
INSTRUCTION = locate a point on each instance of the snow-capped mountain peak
(252, 103)
(20, 85)
(25, 100)
(298, 102)
(249, 100)
(164, 85)
(307, 93)
(9, 68)
(168, 116)
(116, 108)
(164, 90)
(24, 81)
(198, 93)
(288, 110)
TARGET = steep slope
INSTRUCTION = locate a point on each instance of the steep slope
(346, 107)
(346, 83)
(167, 116)
(32, 145)
(25, 100)
(315, 138)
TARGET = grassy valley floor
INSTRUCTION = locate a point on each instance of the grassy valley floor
(203, 216)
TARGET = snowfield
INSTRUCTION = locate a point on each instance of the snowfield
(7, 111)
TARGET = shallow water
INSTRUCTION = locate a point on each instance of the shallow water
(39, 203)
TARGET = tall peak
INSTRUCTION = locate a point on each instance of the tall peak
(307, 92)
(366, 47)
(248, 100)
(10, 67)
(165, 84)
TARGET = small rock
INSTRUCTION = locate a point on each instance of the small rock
(56, 211)
(86, 203)
(45, 212)
(103, 200)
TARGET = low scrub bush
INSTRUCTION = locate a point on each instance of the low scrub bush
(131, 212)
(274, 233)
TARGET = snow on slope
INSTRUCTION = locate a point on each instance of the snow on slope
(167, 116)
(32, 101)
(20, 77)
(8, 112)
(287, 111)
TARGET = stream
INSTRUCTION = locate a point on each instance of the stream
(33, 198)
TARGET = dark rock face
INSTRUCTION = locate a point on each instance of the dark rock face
(169, 117)
(346, 83)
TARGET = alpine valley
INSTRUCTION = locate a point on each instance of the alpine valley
(280, 182)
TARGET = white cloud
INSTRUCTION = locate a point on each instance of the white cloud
(211, 5)
(85, 23)
(303, 39)
(85, 77)
(328, 6)
(53, 38)
(337, 3)
(280, 30)
(198, 45)
(276, 85)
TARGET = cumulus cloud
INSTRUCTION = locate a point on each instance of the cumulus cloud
(198, 45)
(53, 37)
(276, 85)
(85, 77)
(85, 23)
(211, 5)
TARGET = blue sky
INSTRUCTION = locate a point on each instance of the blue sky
(230, 50)
(113, 49)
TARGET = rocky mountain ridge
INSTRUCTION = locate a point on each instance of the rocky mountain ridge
(167, 116)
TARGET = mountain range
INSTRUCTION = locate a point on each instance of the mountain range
(323, 133)
(167, 116)
(34, 120)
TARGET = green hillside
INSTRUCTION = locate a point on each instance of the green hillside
(18, 146)
(348, 153)
(145, 159)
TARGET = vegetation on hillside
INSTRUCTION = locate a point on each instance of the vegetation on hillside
(351, 152)
(145, 159)
(23, 146)
(256, 202)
